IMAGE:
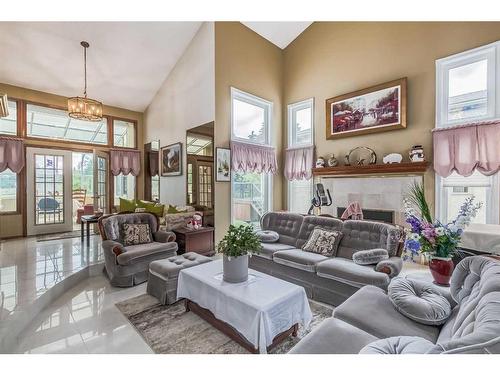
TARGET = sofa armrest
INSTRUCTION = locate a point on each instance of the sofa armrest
(391, 266)
(162, 236)
(112, 249)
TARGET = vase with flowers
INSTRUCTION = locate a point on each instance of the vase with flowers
(428, 236)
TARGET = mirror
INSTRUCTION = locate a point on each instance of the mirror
(200, 170)
(151, 171)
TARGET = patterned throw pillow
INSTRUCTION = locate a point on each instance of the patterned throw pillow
(324, 242)
(136, 234)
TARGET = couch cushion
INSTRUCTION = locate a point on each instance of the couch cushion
(268, 249)
(311, 222)
(333, 336)
(419, 301)
(299, 259)
(347, 271)
(399, 345)
(169, 268)
(365, 235)
(371, 310)
(267, 236)
(324, 242)
(372, 256)
(139, 251)
(287, 225)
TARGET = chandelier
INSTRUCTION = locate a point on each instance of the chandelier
(83, 108)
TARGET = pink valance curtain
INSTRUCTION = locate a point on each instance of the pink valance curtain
(247, 157)
(466, 148)
(125, 161)
(11, 154)
(299, 163)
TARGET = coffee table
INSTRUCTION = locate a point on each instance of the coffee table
(258, 313)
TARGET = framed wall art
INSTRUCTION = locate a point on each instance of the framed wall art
(171, 160)
(371, 110)
(223, 164)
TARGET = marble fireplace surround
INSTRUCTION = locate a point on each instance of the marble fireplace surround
(372, 192)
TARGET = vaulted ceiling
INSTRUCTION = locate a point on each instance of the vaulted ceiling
(126, 64)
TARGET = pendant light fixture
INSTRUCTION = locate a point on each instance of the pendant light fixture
(83, 108)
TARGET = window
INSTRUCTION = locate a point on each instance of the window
(251, 193)
(124, 188)
(45, 122)
(465, 92)
(8, 125)
(200, 145)
(124, 133)
(8, 191)
(300, 133)
(155, 180)
(465, 85)
(454, 189)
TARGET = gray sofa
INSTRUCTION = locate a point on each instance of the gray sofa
(369, 323)
(328, 279)
(128, 265)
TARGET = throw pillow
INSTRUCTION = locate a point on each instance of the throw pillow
(152, 207)
(173, 210)
(136, 234)
(419, 301)
(372, 256)
(127, 205)
(267, 236)
(324, 242)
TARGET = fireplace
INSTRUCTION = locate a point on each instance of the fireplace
(380, 197)
(386, 216)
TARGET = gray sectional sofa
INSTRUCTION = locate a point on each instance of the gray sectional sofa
(328, 279)
(368, 323)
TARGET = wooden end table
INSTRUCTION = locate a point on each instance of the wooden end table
(87, 219)
(199, 241)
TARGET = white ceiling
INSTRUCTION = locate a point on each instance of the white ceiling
(278, 33)
(126, 63)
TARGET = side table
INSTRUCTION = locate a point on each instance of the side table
(87, 219)
(199, 241)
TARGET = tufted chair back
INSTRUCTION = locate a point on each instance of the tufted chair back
(110, 226)
(311, 222)
(287, 224)
(474, 326)
(365, 235)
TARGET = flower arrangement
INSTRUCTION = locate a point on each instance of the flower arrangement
(429, 236)
(239, 240)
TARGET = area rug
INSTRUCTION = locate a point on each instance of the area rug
(61, 236)
(172, 330)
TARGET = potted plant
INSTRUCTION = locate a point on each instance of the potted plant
(439, 241)
(238, 243)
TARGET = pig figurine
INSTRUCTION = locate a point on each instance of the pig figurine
(392, 158)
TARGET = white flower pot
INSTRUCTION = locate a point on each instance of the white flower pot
(235, 268)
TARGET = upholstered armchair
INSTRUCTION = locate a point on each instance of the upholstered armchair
(128, 265)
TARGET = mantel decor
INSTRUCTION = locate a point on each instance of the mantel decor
(374, 109)
(84, 108)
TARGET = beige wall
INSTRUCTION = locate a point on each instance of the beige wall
(12, 225)
(245, 60)
(185, 100)
(334, 58)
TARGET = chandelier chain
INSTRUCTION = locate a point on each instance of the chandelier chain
(85, 69)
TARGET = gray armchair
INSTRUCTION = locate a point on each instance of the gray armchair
(128, 265)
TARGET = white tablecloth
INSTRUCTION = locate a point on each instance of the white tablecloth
(259, 309)
(482, 237)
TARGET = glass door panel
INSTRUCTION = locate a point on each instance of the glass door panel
(101, 181)
(48, 191)
(205, 177)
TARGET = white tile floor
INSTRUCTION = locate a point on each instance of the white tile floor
(85, 320)
(82, 320)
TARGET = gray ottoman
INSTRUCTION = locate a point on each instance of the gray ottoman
(163, 274)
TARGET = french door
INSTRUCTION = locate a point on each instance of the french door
(48, 191)
(101, 181)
